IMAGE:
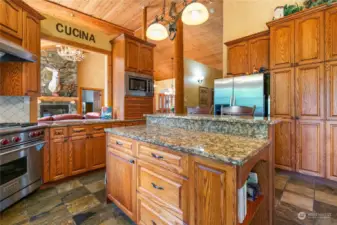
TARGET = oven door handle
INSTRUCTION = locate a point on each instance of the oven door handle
(19, 148)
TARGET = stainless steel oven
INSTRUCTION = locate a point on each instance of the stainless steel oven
(20, 165)
(137, 84)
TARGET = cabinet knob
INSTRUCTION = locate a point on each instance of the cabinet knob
(157, 187)
(157, 156)
(119, 143)
(153, 223)
(132, 161)
(297, 117)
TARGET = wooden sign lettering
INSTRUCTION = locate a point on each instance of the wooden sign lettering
(68, 30)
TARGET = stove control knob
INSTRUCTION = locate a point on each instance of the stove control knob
(38, 133)
(4, 141)
(31, 134)
(16, 139)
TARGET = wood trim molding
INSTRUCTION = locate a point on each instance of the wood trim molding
(29, 9)
(134, 38)
(74, 44)
(246, 38)
(305, 12)
(77, 17)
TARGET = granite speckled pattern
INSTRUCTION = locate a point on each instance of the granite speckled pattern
(241, 126)
(226, 148)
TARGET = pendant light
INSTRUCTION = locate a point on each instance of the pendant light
(195, 14)
(157, 32)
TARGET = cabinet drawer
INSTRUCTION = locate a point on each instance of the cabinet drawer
(174, 161)
(58, 132)
(164, 188)
(78, 130)
(121, 144)
(149, 214)
(98, 128)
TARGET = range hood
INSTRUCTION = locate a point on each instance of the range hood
(10, 52)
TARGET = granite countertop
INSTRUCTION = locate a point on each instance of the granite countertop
(227, 148)
(61, 123)
(236, 119)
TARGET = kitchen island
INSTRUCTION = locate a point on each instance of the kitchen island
(175, 173)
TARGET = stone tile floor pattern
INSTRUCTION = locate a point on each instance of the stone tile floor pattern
(82, 201)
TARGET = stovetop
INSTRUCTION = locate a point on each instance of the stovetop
(11, 125)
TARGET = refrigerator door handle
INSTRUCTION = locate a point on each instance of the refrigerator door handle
(233, 101)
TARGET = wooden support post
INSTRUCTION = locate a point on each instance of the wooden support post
(179, 68)
(144, 23)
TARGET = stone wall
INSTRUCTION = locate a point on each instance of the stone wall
(67, 72)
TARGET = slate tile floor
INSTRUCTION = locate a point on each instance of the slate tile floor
(82, 201)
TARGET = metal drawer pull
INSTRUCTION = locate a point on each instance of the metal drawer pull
(157, 187)
(132, 161)
(153, 223)
(98, 128)
(119, 143)
(157, 156)
(78, 130)
(58, 132)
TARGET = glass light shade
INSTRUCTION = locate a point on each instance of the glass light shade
(195, 14)
(157, 32)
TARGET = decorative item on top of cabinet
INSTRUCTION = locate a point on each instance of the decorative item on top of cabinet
(331, 151)
(331, 34)
(282, 45)
(309, 39)
(310, 147)
(309, 91)
(331, 89)
(282, 93)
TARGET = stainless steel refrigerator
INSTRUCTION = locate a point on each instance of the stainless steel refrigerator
(247, 90)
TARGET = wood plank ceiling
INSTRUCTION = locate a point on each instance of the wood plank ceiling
(202, 43)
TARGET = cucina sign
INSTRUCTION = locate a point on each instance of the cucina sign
(68, 30)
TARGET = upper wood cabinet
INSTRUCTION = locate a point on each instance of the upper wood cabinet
(309, 91)
(282, 45)
(138, 56)
(11, 18)
(309, 39)
(238, 59)
(310, 147)
(248, 54)
(331, 153)
(331, 90)
(331, 34)
(282, 88)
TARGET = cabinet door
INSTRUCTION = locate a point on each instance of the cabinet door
(331, 34)
(309, 39)
(331, 88)
(282, 45)
(11, 18)
(121, 181)
(146, 59)
(78, 159)
(309, 91)
(331, 153)
(31, 41)
(238, 59)
(132, 55)
(97, 151)
(310, 141)
(211, 193)
(259, 53)
(285, 145)
(58, 158)
(282, 89)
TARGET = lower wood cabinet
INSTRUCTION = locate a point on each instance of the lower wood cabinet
(96, 152)
(331, 151)
(310, 147)
(58, 158)
(121, 181)
(78, 155)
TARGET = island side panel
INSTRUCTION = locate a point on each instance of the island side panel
(271, 135)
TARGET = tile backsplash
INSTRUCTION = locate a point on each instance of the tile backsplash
(14, 109)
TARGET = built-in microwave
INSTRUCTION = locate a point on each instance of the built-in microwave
(137, 84)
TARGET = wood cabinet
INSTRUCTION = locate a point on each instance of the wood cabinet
(58, 158)
(259, 53)
(136, 107)
(331, 90)
(132, 55)
(285, 138)
(11, 18)
(96, 153)
(309, 39)
(121, 170)
(282, 45)
(78, 155)
(310, 147)
(238, 59)
(331, 34)
(331, 151)
(309, 90)
(282, 88)
(146, 59)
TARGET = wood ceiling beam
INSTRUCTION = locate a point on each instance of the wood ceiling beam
(77, 17)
